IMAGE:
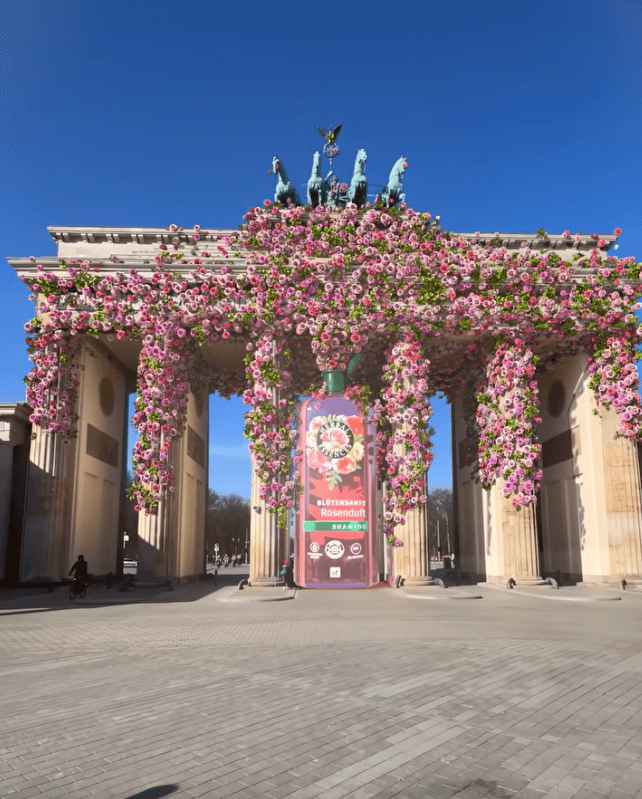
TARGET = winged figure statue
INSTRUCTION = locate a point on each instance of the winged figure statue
(330, 135)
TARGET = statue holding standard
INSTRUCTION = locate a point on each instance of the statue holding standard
(335, 192)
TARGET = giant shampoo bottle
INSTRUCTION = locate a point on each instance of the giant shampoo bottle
(335, 535)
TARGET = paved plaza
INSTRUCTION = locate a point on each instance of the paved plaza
(199, 692)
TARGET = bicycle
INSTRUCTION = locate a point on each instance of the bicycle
(77, 587)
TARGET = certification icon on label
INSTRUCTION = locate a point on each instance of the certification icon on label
(335, 571)
(334, 549)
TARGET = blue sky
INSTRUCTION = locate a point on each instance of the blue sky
(513, 116)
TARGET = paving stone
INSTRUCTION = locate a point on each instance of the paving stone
(618, 793)
(275, 699)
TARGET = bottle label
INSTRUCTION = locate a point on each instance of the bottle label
(334, 531)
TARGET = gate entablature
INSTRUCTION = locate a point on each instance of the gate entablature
(109, 250)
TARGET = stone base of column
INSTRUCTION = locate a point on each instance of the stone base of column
(266, 582)
(414, 582)
(527, 582)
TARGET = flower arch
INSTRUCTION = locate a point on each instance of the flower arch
(429, 310)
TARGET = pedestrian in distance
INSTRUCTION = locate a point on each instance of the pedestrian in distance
(287, 573)
(79, 570)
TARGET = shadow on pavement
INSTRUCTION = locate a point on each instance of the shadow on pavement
(157, 792)
(26, 599)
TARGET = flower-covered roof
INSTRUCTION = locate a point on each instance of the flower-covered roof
(305, 289)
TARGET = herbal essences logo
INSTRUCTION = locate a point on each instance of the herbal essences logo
(334, 446)
(335, 439)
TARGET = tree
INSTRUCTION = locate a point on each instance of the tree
(128, 522)
(228, 523)
(440, 521)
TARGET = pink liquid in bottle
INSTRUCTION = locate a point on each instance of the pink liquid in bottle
(336, 536)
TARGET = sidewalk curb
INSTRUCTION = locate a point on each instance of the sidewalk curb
(546, 592)
(232, 594)
(435, 594)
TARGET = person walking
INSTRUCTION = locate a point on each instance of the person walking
(287, 572)
(80, 569)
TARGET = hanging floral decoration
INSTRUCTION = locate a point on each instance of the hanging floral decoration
(267, 423)
(507, 415)
(614, 379)
(304, 289)
(404, 444)
(54, 379)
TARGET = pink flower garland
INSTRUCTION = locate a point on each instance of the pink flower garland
(404, 442)
(268, 422)
(507, 413)
(166, 374)
(614, 379)
(53, 381)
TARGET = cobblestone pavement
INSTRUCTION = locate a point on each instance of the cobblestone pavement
(335, 694)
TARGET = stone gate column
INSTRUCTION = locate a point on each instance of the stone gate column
(510, 533)
(623, 502)
(171, 541)
(520, 544)
(45, 543)
(411, 560)
(409, 387)
(101, 442)
(154, 538)
(267, 540)
(187, 530)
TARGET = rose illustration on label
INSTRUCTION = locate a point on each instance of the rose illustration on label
(334, 446)
(335, 439)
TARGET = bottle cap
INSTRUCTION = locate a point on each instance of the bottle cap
(334, 381)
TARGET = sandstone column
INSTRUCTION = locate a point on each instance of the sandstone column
(154, 541)
(623, 502)
(157, 531)
(267, 540)
(45, 546)
(520, 544)
(411, 559)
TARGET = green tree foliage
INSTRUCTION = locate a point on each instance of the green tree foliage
(129, 522)
(440, 521)
(227, 524)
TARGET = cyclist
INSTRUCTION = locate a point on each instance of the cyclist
(80, 577)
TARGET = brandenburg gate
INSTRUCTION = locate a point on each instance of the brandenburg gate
(530, 336)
